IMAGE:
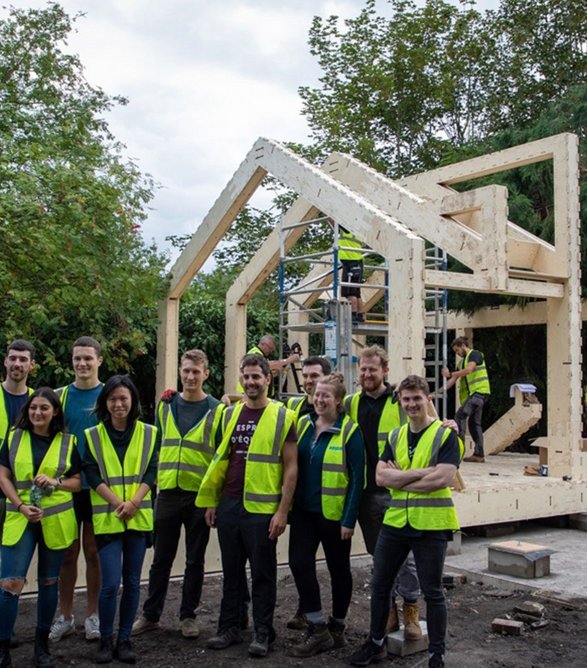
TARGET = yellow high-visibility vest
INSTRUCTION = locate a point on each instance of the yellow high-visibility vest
(123, 478)
(428, 511)
(58, 524)
(335, 472)
(183, 460)
(264, 464)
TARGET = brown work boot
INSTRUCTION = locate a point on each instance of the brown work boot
(316, 639)
(392, 620)
(297, 622)
(412, 630)
(478, 459)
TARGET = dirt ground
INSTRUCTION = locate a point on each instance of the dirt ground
(471, 644)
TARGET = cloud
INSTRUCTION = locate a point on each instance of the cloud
(204, 80)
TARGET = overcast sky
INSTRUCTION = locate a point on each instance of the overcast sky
(205, 79)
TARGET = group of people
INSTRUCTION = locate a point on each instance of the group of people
(80, 461)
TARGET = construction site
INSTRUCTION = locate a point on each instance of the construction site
(521, 542)
(518, 510)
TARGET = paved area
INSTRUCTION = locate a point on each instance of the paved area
(567, 565)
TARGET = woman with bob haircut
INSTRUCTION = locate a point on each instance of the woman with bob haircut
(121, 467)
(331, 463)
(39, 470)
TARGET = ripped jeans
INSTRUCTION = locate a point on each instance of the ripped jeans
(15, 563)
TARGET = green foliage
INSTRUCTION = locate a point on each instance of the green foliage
(202, 322)
(72, 260)
(398, 92)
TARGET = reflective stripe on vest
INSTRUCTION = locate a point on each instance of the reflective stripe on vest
(123, 478)
(58, 524)
(183, 461)
(335, 473)
(296, 404)
(430, 511)
(477, 381)
(392, 416)
(263, 467)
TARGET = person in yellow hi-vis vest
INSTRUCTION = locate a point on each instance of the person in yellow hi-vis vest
(331, 463)
(474, 391)
(188, 433)
(39, 470)
(247, 492)
(120, 464)
(417, 466)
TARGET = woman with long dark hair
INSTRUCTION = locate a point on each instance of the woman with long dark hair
(331, 462)
(121, 466)
(39, 471)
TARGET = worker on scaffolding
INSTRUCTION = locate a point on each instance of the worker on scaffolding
(351, 260)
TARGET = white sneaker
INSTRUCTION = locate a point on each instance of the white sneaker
(189, 628)
(61, 628)
(92, 627)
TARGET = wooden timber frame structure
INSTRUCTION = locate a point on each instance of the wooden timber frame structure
(397, 218)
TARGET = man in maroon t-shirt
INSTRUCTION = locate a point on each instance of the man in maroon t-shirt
(250, 483)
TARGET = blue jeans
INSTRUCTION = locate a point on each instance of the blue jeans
(16, 560)
(121, 559)
(390, 553)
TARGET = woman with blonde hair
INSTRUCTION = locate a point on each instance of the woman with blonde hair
(331, 462)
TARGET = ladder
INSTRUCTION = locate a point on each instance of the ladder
(436, 345)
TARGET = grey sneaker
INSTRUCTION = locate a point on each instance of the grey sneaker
(260, 644)
(92, 627)
(142, 625)
(225, 638)
(61, 628)
(189, 628)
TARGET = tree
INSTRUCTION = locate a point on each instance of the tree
(72, 259)
(398, 92)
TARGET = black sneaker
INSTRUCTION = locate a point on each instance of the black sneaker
(369, 652)
(436, 661)
(225, 638)
(260, 643)
(124, 652)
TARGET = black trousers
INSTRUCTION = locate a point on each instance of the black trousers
(243, 535)
(390, 553)
(307, 531)
(472, 412)
(174, 509)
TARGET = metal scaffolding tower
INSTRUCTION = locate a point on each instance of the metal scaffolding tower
(333, 319)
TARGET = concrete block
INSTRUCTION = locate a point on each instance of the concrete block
(578, 521)
(455, 546)
(532, 608)
(397, 646)
(518, 559)
(507, 627)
